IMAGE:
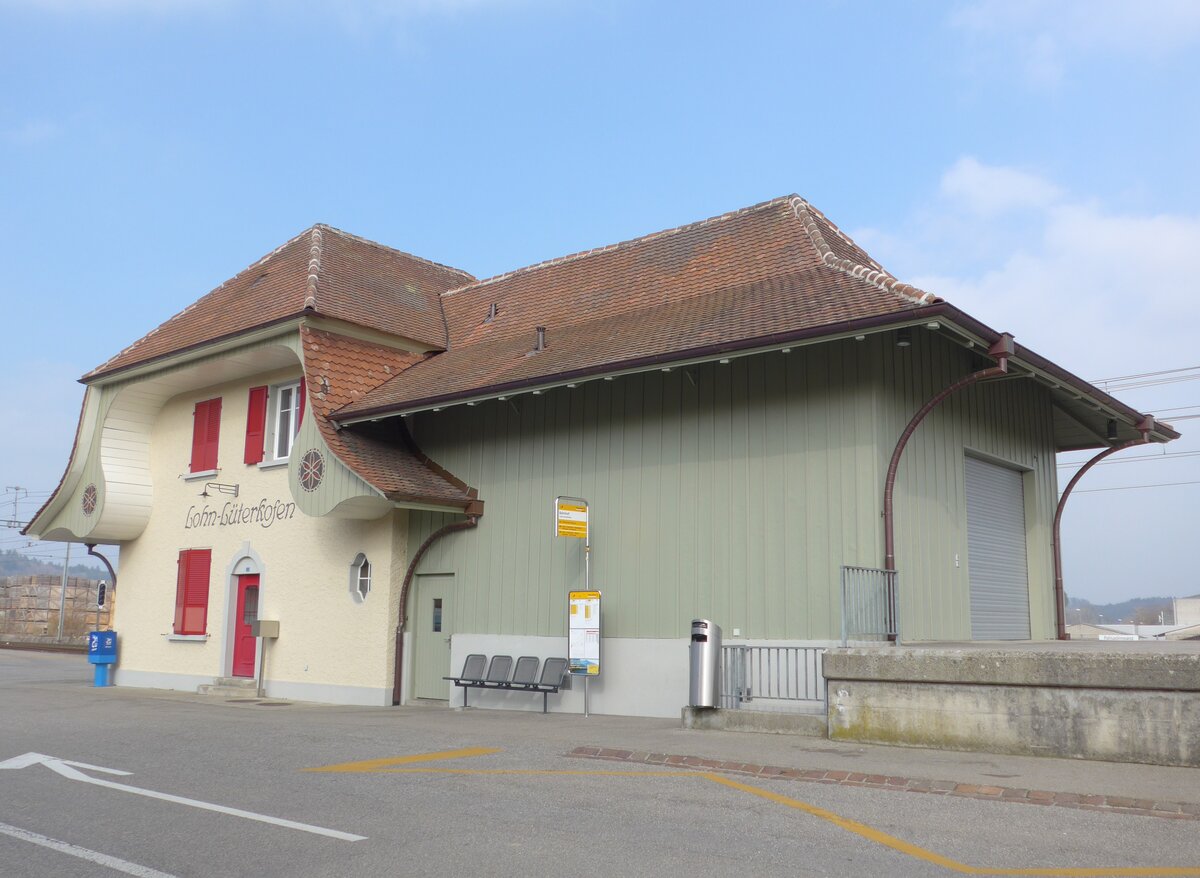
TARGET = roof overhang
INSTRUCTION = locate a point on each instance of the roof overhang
(1086, 405)
(197, 351)
(262, 331)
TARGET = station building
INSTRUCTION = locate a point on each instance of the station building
(366, 446)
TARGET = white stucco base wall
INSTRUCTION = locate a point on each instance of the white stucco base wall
(640, 677)
(364, 696)
(159, 680)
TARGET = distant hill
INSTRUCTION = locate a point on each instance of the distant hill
(1143, 611)
(13, 563)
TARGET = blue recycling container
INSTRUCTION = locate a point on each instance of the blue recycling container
(102, 653)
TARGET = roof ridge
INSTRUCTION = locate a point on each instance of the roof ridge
(583, 254)
(875, 275)
(253, 265)
(314, 269)
(360, 239)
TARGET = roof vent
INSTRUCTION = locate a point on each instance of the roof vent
(540, 345)
(493, 310)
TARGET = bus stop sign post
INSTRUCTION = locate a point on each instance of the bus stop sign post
(572, 519)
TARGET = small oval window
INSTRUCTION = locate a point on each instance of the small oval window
(360, 577)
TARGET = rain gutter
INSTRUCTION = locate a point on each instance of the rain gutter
(1001, 350)
(472, 521)
(969, 330)
(1145, 427)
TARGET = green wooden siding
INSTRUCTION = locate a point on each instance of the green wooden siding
(1008, 421)
(733, 492)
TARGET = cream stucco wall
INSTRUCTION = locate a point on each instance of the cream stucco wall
(332, 647)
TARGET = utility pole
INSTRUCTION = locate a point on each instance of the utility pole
(19, 494)
(62, 598)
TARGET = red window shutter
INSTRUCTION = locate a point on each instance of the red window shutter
(180, 589)
(199, 433)
(214, 433)
(256, 424)
(191, 591)
(206, 434)
(300, 406)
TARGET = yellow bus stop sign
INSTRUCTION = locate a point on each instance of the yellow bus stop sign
(570, 517)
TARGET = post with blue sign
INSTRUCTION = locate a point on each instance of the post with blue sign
(102, 652)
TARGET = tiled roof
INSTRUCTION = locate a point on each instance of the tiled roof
(774, 268)
(339, 369)
(323, 271)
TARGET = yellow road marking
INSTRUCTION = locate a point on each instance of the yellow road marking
(920, 853)
(854, 826)
(378, 764)
(542, 771)
(404, 765)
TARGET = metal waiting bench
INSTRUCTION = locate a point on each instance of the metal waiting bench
(524, 677)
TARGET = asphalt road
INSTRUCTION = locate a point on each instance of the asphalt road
(498, 796)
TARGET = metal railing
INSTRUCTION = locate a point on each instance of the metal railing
(783, 676)
(869, 609)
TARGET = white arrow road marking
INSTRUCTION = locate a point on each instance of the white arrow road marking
(75, 850)
(70, 770)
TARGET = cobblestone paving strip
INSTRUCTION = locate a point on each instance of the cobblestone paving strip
(1107, 804)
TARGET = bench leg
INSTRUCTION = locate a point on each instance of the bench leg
(544, 695)
(465, 690)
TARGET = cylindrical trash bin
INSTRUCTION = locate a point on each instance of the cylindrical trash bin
(705, 654)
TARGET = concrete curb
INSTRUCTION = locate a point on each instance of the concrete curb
(75, 648)
(1107, 804)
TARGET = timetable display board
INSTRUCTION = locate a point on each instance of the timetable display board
(583, 634)
(571, 517)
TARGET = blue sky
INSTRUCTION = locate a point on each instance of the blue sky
(1033, 162)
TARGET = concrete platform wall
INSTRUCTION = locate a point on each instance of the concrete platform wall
(1118, 705)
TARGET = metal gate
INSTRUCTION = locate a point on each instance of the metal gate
(996, 561)
(772, 677)
(869, 609)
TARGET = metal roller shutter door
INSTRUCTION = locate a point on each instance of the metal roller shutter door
(997, 565)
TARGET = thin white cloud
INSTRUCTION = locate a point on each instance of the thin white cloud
(1045, 36)
(988, 190)
(1101, 290)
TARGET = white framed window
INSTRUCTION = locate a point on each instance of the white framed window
(285, 418)
(360, 577)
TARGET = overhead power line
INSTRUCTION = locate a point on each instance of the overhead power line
(1170, 455)
(1182, 408)
(1145, 374)
(1137, 487)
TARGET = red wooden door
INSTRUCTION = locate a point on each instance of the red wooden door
(244, 642)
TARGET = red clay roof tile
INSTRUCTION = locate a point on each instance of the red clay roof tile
(339, 369)
(773, 268)
(322, 270)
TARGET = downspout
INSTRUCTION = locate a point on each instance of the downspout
(470, 522)
(112, 574)
(1001, 350)
(1145, 427)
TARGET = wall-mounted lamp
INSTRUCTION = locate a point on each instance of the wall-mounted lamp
(904, 337)
(1111, 431)
(219, 488)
